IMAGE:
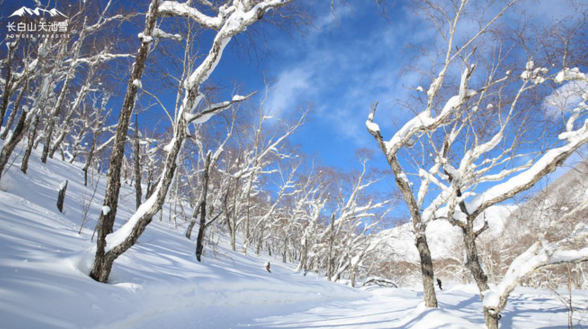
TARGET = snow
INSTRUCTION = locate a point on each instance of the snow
(145, 38)
(158, 33)
(570, 74)
(491, 299)
(105, 210)
(137, 83)
(62, 185)
(443, 238)
(372, 126)
(44, 283)
(44, 265)
(182, 9)
(239, 98)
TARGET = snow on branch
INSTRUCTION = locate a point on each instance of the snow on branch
(99, 58)
(158, 33)
(423, 121)
(539, 255)
(525, 180)
(214, 109)
(174, 8)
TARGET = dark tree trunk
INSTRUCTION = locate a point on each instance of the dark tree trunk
(61, 196)
(11, 144)
(202, 208)
(102, 262)
(14, 112)
(32, 135)
(8, 87)
(89, 158)
(47, 143)
(137, 165)
(427, 271)
(101, 270)
(228, 215)
(201, 230)
(330, 264)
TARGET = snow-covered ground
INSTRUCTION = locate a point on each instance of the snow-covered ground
(159, 284)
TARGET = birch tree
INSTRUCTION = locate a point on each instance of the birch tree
(232, 18)
(445, 19)
(468, 151)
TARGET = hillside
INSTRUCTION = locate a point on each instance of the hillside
(44, 282)
(443, 238)
(159, 284)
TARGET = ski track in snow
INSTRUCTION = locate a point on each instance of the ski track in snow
(159, 284)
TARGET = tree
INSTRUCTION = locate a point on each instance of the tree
(231, 20)
(446, 21)
(467, 150)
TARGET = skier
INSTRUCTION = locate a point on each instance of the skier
(440, 284)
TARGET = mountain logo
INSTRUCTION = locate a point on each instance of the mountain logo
(37, 12)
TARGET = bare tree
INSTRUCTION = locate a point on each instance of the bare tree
(230, 21)
(466, 150)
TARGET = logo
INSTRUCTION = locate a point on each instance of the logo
(28, 12)
(37, 23)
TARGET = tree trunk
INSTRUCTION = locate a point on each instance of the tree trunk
(137, 165)
(260, 240)
(303, 256)
(8, 87)
(32, 135)
(202, 206)
(102, 263)
(89, 158)
(11, 144)
(102, 267)
(473, 261)
(427, 270)
(330, 264)
(14, 112)
(228, 217)
(285, 254)
(491, 320)
(47, 143)
(234, 217)
(61, 196)
(201, 230)
(475, 267)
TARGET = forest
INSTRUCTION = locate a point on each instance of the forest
(294, 164)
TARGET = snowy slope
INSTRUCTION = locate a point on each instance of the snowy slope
(158, 283)
(443, 238)
(44, 284)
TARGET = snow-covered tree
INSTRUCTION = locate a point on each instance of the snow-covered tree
(474, 145)
(232, 18)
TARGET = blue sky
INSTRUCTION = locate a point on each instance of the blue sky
(342, 65)
(339, 67)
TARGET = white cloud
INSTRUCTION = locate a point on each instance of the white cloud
(286, 92)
